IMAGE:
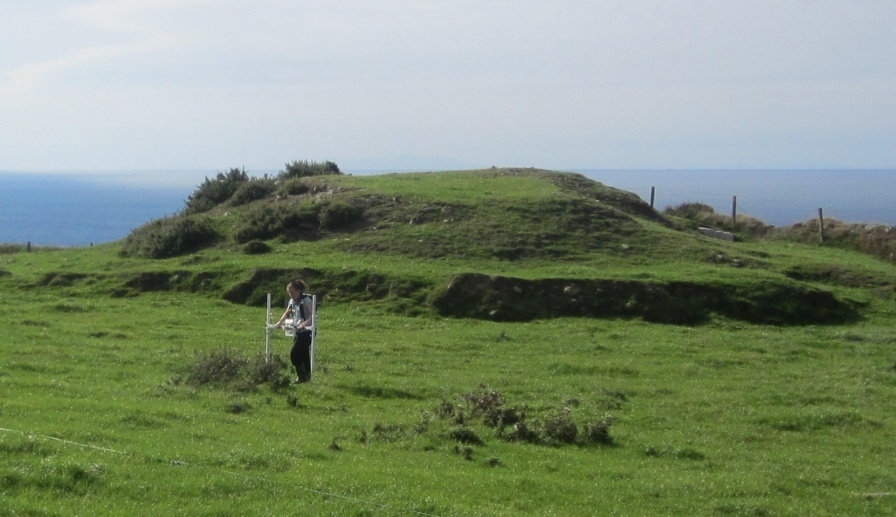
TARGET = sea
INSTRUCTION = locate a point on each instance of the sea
(83, 208)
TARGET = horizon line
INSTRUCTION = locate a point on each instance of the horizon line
(440, 169)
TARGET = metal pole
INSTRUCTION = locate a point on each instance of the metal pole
(267, 333)
(313, 327)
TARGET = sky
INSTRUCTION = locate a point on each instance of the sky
(432, 84)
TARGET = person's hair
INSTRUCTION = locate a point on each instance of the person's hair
(299, 284)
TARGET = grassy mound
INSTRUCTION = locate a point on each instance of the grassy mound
(508, 214)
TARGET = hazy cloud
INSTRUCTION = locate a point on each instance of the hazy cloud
(572, 83)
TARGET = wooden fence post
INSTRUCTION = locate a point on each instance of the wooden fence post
(821, 225)
(734, 213)
(652, 195)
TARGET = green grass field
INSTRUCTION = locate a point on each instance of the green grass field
(611, 415)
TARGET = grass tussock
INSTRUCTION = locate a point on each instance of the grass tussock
(486, 407)
(66, 479)
(484, 414)
(229, 368)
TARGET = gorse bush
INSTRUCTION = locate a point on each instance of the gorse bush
(489, 405)
(277, 219)
(874, 239)
(256, 247)
(253, 190)
(340, 215)
(236, 186)
(560, 428)
(9, 248)
(213, 192)
(304, 168)
(511, 424)
(169, 237)
(230, 368)
(464, 435)
(295, 187)
(272, 373)
(216, 367)
(485, 411)
(704, 215)
(259, 223)
(598, 432)
(692, 211)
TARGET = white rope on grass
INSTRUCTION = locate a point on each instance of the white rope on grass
(67, 442)
(240, 474)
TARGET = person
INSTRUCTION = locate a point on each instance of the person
(299, 309)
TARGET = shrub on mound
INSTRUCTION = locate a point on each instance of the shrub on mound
(306, 168)
(295, 187)
(169, 237)
(702, 214)
(340, 215)
(213, 192)
(277, 219)
(253, 190)
(256, 247)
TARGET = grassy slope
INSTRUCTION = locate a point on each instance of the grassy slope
(420, 230)
(725, 418)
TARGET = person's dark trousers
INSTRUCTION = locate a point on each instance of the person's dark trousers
(300, 355)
